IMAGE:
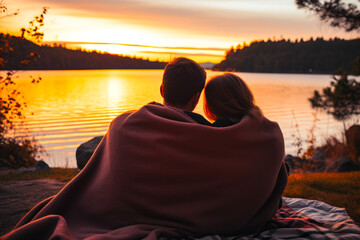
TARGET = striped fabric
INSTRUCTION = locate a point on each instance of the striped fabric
(305, 219)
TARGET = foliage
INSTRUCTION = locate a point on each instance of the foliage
(341, 99)
(299, 56)
(298, 142)
(356, 69)
(338, 13)
(16, 151)
(11, 104)
(337, 189)
(334, 149)
(332, 156)
(33, 31)
(311, 139)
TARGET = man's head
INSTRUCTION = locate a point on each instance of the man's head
(183, 81)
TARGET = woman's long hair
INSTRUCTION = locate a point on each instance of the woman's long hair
(228, 96)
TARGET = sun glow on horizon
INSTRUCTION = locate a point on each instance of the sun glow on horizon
(152, 53)
(156, 29)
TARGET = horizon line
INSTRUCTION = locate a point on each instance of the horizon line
(139, 45)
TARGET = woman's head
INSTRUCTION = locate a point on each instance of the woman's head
(227, 96)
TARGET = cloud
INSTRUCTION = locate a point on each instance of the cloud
(197, 54)
(199, 17)
(186, 22)
(139, 45)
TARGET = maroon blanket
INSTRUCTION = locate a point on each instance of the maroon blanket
(157, 174)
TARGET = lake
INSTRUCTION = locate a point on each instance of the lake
(70, 107)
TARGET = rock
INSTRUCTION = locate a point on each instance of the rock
(298, 164)
(85, 151)
(347, 165)
(4, 163)
(341, 164)
(353, 141)
(24, 170)
(289, 159)
(41, 166)
(294, 162)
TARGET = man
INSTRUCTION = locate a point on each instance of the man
(158, 173)
(183, 82)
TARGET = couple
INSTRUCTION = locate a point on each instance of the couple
(163, 172)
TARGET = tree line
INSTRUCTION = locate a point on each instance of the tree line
(60, 58)
(285, 56)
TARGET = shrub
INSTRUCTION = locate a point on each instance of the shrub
(18, 152)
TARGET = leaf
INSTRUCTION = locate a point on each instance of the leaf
(25, 62)
(2, 63)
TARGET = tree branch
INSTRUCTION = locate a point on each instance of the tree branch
(336, 12)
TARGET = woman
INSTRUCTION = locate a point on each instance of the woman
(228, 99)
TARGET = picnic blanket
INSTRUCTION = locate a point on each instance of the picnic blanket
(304, 219)
(157, 174)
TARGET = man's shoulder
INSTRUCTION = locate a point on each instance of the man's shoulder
(154, 107)
(195, 116)
(155, 103)
(198, 118)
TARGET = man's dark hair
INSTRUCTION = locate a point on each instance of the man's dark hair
(182, 79)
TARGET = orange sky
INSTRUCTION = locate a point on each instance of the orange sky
(163, 29)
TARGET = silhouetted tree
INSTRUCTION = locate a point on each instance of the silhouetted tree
(341, 99)
(356, 69)
(316, 56)
(336, 12)
(61, 58)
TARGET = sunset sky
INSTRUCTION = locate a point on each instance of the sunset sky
(163, 29)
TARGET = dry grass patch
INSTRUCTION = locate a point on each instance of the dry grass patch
(337, 189)
(61, 174)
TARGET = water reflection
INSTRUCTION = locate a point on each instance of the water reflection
(71, 107)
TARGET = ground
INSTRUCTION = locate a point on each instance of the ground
(17, 197)
(19, 192)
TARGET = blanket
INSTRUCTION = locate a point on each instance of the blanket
(157, 174)
(304, 219)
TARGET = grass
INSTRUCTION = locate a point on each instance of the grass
(337, 189)
(62, 174)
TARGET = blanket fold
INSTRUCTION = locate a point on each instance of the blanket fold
(158, 174)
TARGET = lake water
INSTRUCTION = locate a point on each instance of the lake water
(69, 107)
